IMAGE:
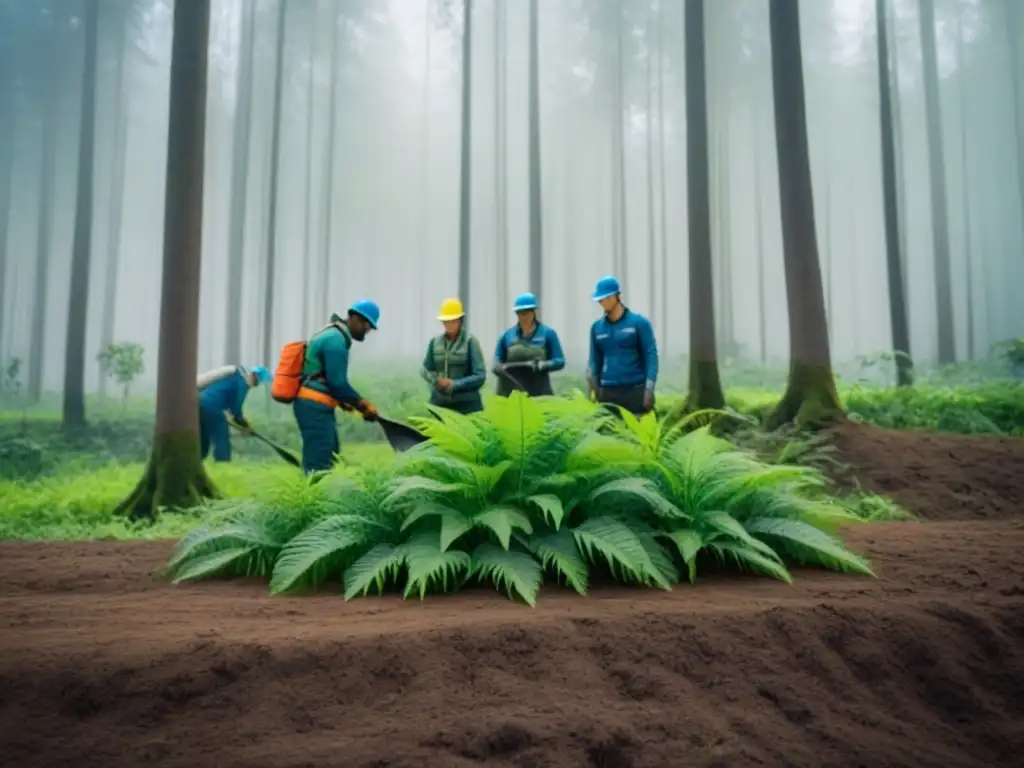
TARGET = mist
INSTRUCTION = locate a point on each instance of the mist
(367, 122)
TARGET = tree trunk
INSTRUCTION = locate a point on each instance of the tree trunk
(332, 121)
(536, 279)
(175, 477)
(1014, 30)
(424, 203)
(115, 215)
(652, 245)
(8, 124)
(762, 298)
(705, 382)
(662, 184)
(240, 160)
(52, 73)
(501, 155)
(81, 256)
(307, 232)
(620, 155)
(937, 173)
(897, 123)
(270, 276)
(810, 396)
(465, 196)
(965, 185)
(894, 259)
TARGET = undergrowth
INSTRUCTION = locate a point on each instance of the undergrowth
(527, 492)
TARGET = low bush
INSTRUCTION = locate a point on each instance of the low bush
(526, 491)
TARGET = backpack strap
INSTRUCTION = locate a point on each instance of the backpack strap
(322, 376)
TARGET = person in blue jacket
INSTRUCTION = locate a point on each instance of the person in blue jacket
(623, 365)
(325, 385)
(221, 392)
(527, 352)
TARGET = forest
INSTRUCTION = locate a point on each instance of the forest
(807, 535)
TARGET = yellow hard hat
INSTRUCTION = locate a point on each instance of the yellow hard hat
(451, 309)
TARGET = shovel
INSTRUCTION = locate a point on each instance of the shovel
(401, 437)
(284, 453)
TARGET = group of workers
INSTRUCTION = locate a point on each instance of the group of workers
(622, 370)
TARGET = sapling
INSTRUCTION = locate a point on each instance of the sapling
(122, 362)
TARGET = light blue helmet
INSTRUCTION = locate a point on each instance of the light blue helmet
(368, 310)
(606, 286)
(262, 374)
(525, 301)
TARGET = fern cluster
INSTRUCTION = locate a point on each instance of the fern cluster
(526, 491)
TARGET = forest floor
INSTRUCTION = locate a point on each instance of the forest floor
(101, 664)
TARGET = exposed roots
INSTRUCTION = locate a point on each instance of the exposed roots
(175, 478)
(810, 400)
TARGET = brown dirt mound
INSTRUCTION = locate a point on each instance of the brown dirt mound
(100, 666)
(938, 476)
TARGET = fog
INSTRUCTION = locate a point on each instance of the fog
(368, 199)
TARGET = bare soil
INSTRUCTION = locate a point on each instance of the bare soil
(101, 665)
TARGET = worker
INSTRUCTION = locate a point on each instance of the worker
(223, 391)
(623, 366)
(325, 385)
(454, 363)
(527, 352)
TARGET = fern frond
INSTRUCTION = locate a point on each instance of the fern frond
(510, 570)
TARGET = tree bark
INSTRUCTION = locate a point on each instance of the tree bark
(649, 151)
(307, 232)
(465, 160)
(965, 185)
(1014, 30)
(115, 221)
(81, 256)
(270, 275)
(240, 160)
(51, 72)
(424, 203)
(8, 137)
(705, 382)
(894, 259)
(536, 279)
(175, 477)
(332, 121)
(662, 184)
(762, 297)
(810, 397)
(937, 187)
(620, 154)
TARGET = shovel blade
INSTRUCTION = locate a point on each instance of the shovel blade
(400, 436)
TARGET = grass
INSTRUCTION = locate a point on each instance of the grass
(77, 502)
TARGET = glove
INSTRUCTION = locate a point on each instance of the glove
(346, 407)
(368, 410)
(536, 366)
(648, 399)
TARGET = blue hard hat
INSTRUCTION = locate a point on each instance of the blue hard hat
(606, 286)
(525, 301)
(368, 310)
(262, 374)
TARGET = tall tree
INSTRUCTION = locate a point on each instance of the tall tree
(115, 215)
(965, 185)
(307, 232)
(652, 246)
(1014, 32)
(270, 274)
(328, 184)
(937, 186)
(175, 477)
(705, 382)
(50, 72)
(536, 281)
(662, 184)
(810, 396)
(81, 256)
(465, 175)
(240, 151)
(894, 259)
(423, 230)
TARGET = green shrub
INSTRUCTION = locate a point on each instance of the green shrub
(526, 490)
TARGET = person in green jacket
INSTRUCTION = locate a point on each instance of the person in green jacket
(325, 385)
(454, 363)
